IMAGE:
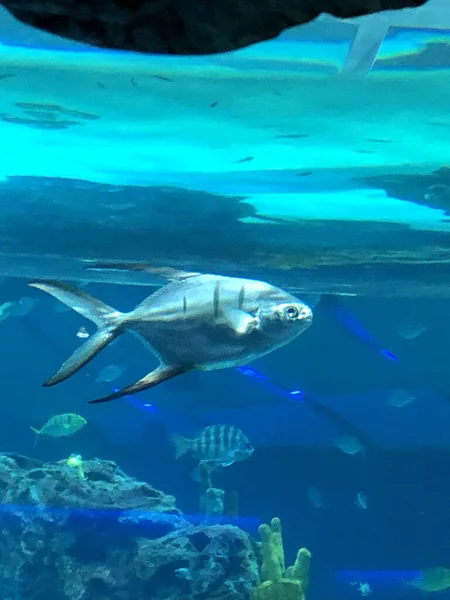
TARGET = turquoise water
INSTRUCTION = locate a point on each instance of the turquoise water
(272, 163)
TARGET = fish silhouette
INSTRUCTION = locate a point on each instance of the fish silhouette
(198, 322)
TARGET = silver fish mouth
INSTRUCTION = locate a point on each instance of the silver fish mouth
(306, 314)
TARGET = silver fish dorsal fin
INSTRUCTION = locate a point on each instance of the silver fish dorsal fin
(169, 273)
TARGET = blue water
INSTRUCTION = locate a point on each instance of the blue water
(270, 164)
(345, 384)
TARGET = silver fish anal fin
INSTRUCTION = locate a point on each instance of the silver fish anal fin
(241, 322)
(160, 374)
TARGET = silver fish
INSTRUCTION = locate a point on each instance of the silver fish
(200, 322)
(218, 445)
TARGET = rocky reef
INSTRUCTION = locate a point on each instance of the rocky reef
(96, 534)
(182, 26)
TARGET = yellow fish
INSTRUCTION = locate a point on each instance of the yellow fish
(61, 426)
(432, 579)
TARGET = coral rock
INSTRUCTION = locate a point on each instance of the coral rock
(29, 482)
(110, 537)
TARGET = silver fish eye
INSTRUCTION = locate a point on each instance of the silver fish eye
(292, 312)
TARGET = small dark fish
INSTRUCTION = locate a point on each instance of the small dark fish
(36, 123)
(199, 322)
(379, 140)
(246, 159)
(215, 445)
(439, 123)
(214, 104)
(39, 106)
(163, 78)
(52, 124)
(292, 136)
(41, 115)
(80, 114)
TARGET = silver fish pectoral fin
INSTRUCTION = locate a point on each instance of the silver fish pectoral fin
(241, 322)
(160, 374)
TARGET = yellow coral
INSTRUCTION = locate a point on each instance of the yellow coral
(272, 550)
(283, 589)
(300, 569)
(280, 583)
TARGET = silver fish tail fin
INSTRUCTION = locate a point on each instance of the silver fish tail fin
(109, 321)
(182, 445)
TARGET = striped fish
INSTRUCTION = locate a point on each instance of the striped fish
(200, 322)
(215, 445)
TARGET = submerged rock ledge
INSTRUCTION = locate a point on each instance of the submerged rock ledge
(183, 26)
(102, 535)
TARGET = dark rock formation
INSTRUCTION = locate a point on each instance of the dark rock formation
(164, 221)
(183, 26)
(431, 189)
(65, 537)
